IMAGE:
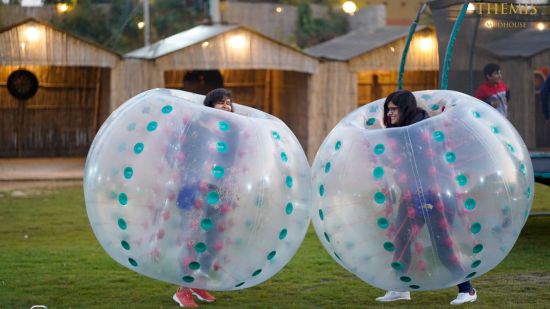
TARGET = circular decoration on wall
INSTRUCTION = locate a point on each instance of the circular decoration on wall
(22, 84)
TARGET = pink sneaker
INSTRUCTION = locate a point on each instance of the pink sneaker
(203, 295)
(184, 298)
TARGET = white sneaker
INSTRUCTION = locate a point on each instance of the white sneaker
(393, 295)
(462, 298)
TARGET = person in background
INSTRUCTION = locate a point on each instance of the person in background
(219, 99)
(493, 91)
(400, 109)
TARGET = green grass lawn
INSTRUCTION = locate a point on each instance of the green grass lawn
(49, 256)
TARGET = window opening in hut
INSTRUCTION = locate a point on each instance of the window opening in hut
(202, 81)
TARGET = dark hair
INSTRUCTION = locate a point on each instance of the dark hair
(406, 102)
(489, 69)
(216, 96)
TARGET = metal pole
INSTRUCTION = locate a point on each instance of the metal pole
(147, 22)
(412, 29)
(450, 47)
(214, 11)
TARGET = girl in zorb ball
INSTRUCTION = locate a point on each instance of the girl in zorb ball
(197, 134)
(422, 191)
(205, 194)
(415, 206)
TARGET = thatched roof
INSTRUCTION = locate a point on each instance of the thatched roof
(358, 42)
(213, 47)
(50, 46)
(180, 41)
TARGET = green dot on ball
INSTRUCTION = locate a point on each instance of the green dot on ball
(221, 147)
(212, 197)
(138, 148)
(152, 126)
(510, 148)
(238, 285)
(383, 223)
(379, 149)
(125, 245)
(282, 234)
(476, 114)
(123, 199)
(128, 172)
(275, 135)
(494, 130)
(327, 167)
(435, 107)
(470, 275)
(188, 279)
(284, 157)
(450, 157)
(224, 126)
(528, 193)
(321, 190)
(439, 136)
(475, 228)
(405, 279)
(522, 169)
(321, 215)
(206, 224)
(461, 180)
(414, 287)
(194, 265)
(470, 203)
(378, 172)
(379, 197)
(218, 171)
(200, 247)
(477, 248)
(389, 246)
(397, 265)
(288, 181)
(122, 224)
(289, 208)
(476, 263)
(167, 109)
(257, 272)
(271, 255)
(133, 262)
(338, 145)
(371, 121)
(326, 236)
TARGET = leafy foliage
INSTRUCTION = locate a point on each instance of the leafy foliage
(311, 31)
(116, 27)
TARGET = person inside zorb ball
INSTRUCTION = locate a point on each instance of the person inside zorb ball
(420, 199)
(197, 196)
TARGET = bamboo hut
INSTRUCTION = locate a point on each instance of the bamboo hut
(54, 90)
(362, 66)
(261, 72)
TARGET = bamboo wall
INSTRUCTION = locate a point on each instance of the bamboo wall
(131, 77)
(332, 95)
(61, 119)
